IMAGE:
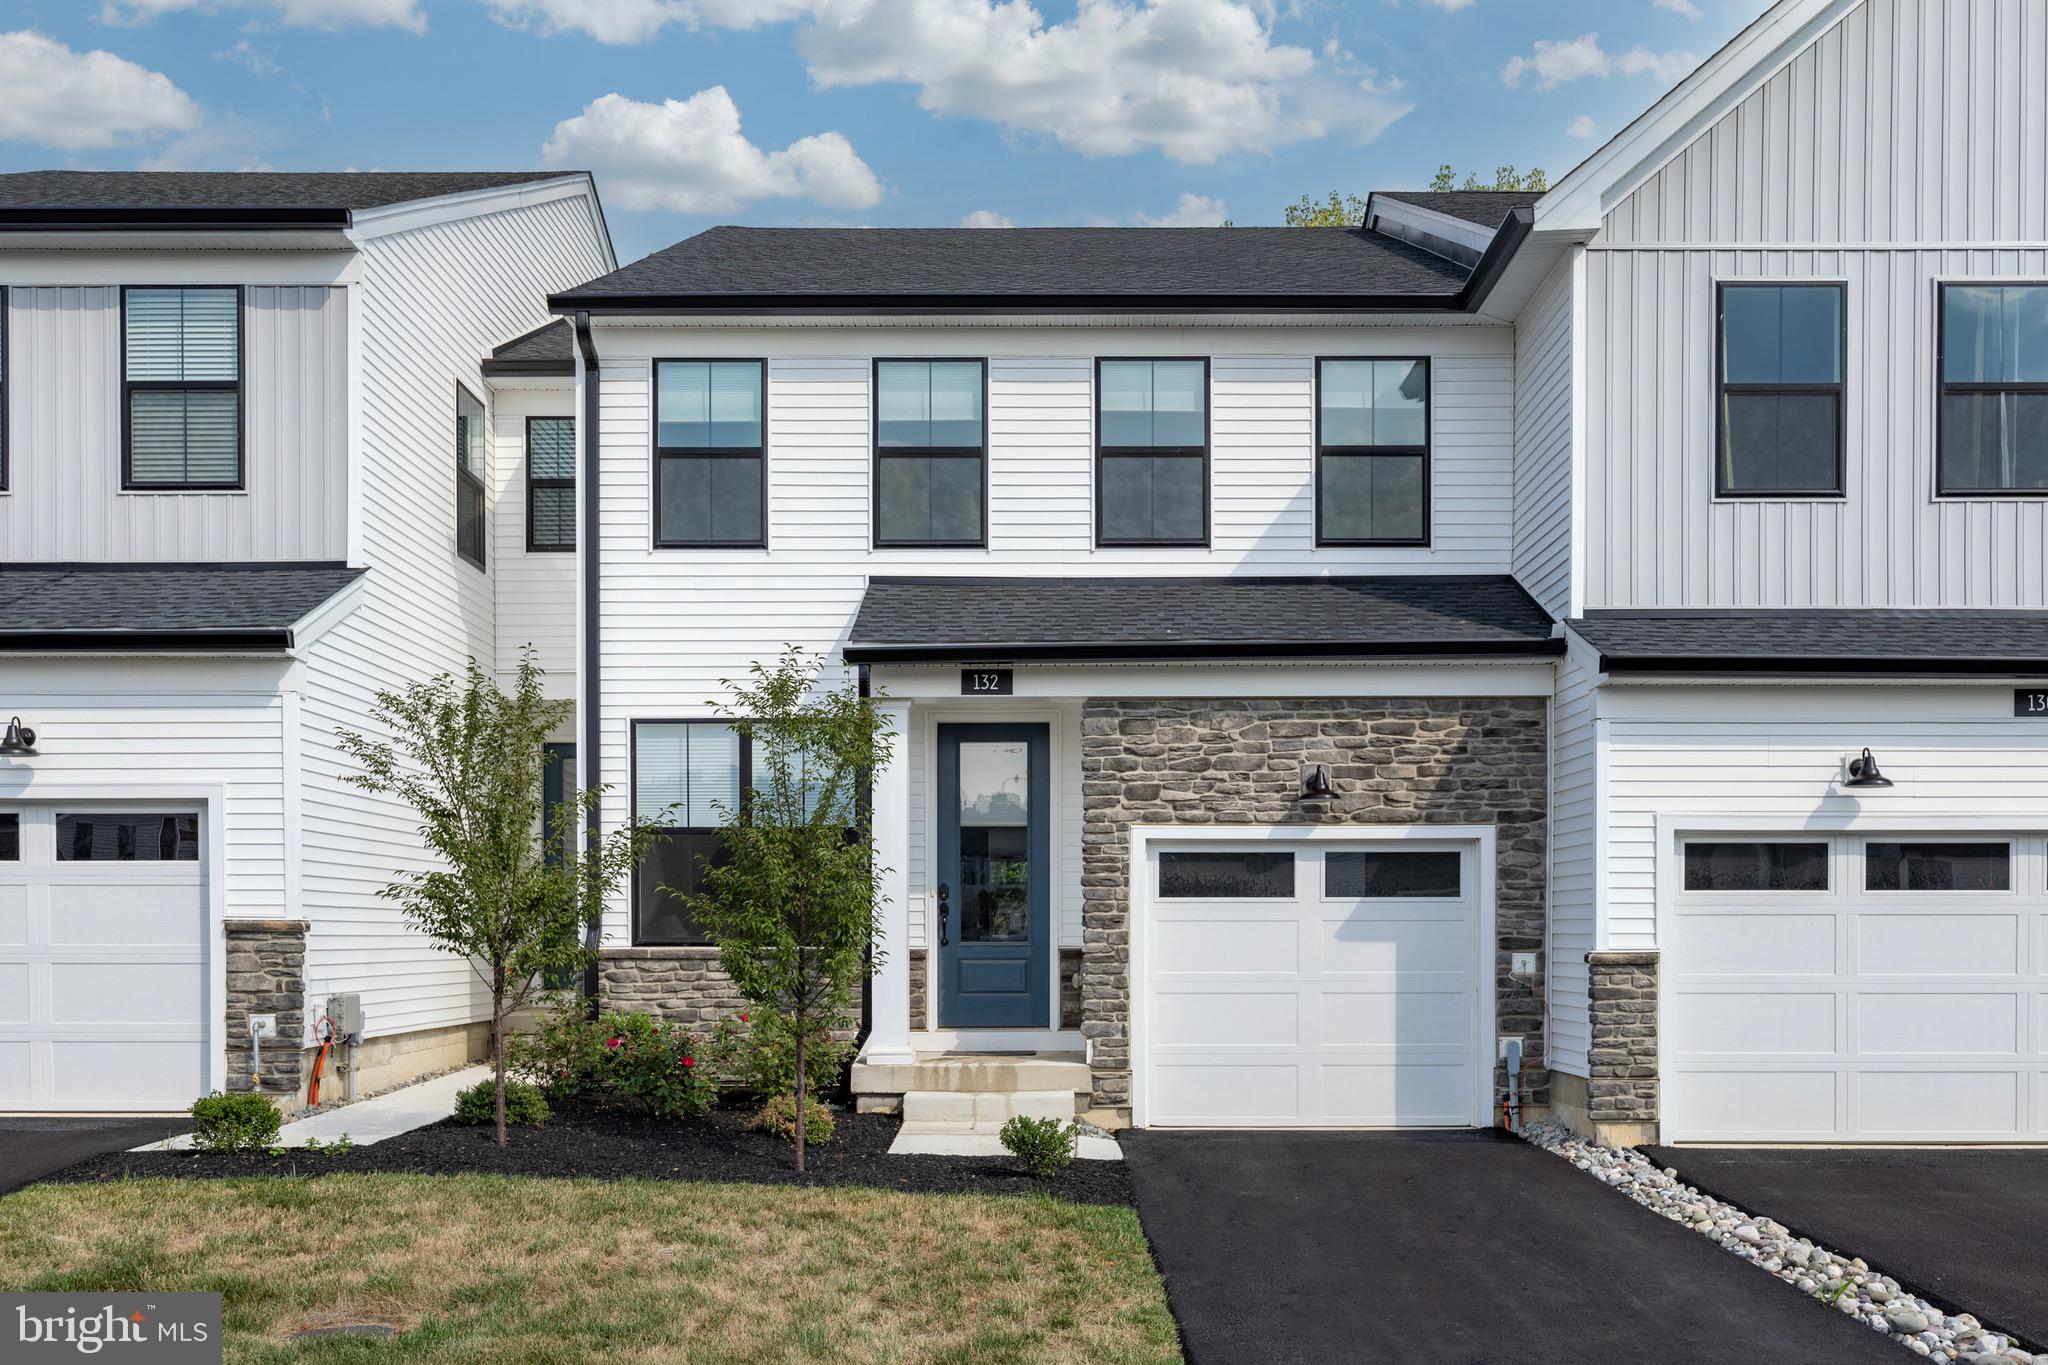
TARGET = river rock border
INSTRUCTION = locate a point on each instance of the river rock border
(1845, 1282)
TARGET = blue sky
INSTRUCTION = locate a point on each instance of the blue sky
(883, 112)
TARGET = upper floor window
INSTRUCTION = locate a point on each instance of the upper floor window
(1994, 389)
(550, 483)
(469, 476)
(4, 471)
(1372, 452)
(1152, 470)
(710, 468)
(1780, 406)
(688, 776)
(931, 453)
(181, 389)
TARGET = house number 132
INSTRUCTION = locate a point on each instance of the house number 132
(985, 682)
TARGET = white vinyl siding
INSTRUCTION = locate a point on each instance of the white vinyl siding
(64, 393)
(1574, 880)
(536, 592)
(1543, 443)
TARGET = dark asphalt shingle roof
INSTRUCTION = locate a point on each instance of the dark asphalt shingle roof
(246, 189)
(117, 606)
(545, 350)
(978, 619)
(1484, 207)
(1870, 641)
(938, 263)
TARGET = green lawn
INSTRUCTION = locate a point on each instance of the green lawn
(505, 1270)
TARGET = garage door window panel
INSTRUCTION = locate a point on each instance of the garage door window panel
(1937, 867)
(1436, 874)
(1726, 865)
(1226, 876)
(127, 837)
(10, 837)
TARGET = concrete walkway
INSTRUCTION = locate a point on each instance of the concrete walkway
(932, 1139)
(370, 1120)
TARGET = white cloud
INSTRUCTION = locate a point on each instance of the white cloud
(1582, 127)
(1452, 6)
(689, 156)
(1192, 210)
(1556, 62)
(608, 21)
(1684, 9)
(243, 54)
(231, 143)
(327, 14)
(58, 97)
(987, 218)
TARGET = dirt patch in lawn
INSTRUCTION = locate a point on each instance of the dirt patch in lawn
(611, 1145)
(514, 1270)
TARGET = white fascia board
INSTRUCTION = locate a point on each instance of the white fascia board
(370, 224)
(323, 618)
(296, 240)
(104, 264)
(1443, 225)
(1372, 678)
(1581, 200)
(563, 384)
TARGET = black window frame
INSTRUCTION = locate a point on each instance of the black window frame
(471, 486)
(1425, 450)
(1104, 451)
(534, 546)
(746, 782)
(757, 453)
(1942, 387)
(238, 386)
(876, 453)
(1722, 388)
(7, 339)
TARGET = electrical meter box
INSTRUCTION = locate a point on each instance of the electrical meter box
(346, 1012)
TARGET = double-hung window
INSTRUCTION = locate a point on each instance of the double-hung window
(1994, 390)
(181, 388)
(710, 469)
(550, 483)
(931, 453)
(1152, 463)
(1372, 451)
(1780, 409)
(469, 476)
(688, 777)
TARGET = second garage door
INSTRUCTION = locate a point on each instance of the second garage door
(1312, 984)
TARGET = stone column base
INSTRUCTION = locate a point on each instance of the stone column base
(1622, 1088)
(1571, 1105)
(267, 975)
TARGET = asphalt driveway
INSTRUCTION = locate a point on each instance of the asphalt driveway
(1467, 1248)
(32, 1148)
(1966, 1228)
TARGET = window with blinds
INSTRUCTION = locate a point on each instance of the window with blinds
(1152, 452)
(181, 388)
(687, 778)
(931, 447)
(469, 476)
(710, 466)
(550, 483)
(1372, 452)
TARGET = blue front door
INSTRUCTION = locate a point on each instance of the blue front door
(993, 898)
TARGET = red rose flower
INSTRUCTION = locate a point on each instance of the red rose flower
(689, 1061)
(743, 1018)
(615, 1043)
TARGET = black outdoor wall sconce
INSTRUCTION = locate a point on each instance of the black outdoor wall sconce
(19, 740)
(1863, 773)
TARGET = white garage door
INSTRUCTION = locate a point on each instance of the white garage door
(1882, 988)
(1312, 984)
(103, 1000)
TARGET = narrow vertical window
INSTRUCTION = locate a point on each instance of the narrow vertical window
(1780, 407)
(931, 449)
(1152, 452)
(1993, 437)
(1372, 452)
(469, 476)
(711, 476)
(550, 483)
(5, 469)
(181, 389)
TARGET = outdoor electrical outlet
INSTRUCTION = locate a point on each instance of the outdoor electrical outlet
(1522, 964)
(262, 1026)
(1505, 1040)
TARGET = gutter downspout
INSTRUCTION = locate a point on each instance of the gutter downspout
(867, 801)
(588, 765)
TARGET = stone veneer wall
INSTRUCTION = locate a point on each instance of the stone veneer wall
(1469, 760)
(1623, 1061)
(267, 975)
(918, 959)
(682, 985)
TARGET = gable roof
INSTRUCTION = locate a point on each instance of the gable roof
(546, 350)
(215, 200)
(161, 607)
(1484, 207)
(810, 270)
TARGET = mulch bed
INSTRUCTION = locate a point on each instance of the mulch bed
(613, 1145)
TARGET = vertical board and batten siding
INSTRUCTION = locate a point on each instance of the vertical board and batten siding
(677, 622)
(64, 500)
(1543, 443)
(435, 301)
(536, 592)
(1907, 145)
(1574, 865)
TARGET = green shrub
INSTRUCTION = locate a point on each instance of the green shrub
(566, 1055)
(778, 1116)
(1045, 1146)
(655, 1063)
(234, 1123)
(525, 1106)
(757, 1052)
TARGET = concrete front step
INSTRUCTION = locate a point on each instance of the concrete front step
(976, 1073)
(985, 1109)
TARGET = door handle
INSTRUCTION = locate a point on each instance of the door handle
(945, 915)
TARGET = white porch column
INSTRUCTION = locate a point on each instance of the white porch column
(889, 1026)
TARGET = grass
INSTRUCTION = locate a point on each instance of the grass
(507, 1270)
